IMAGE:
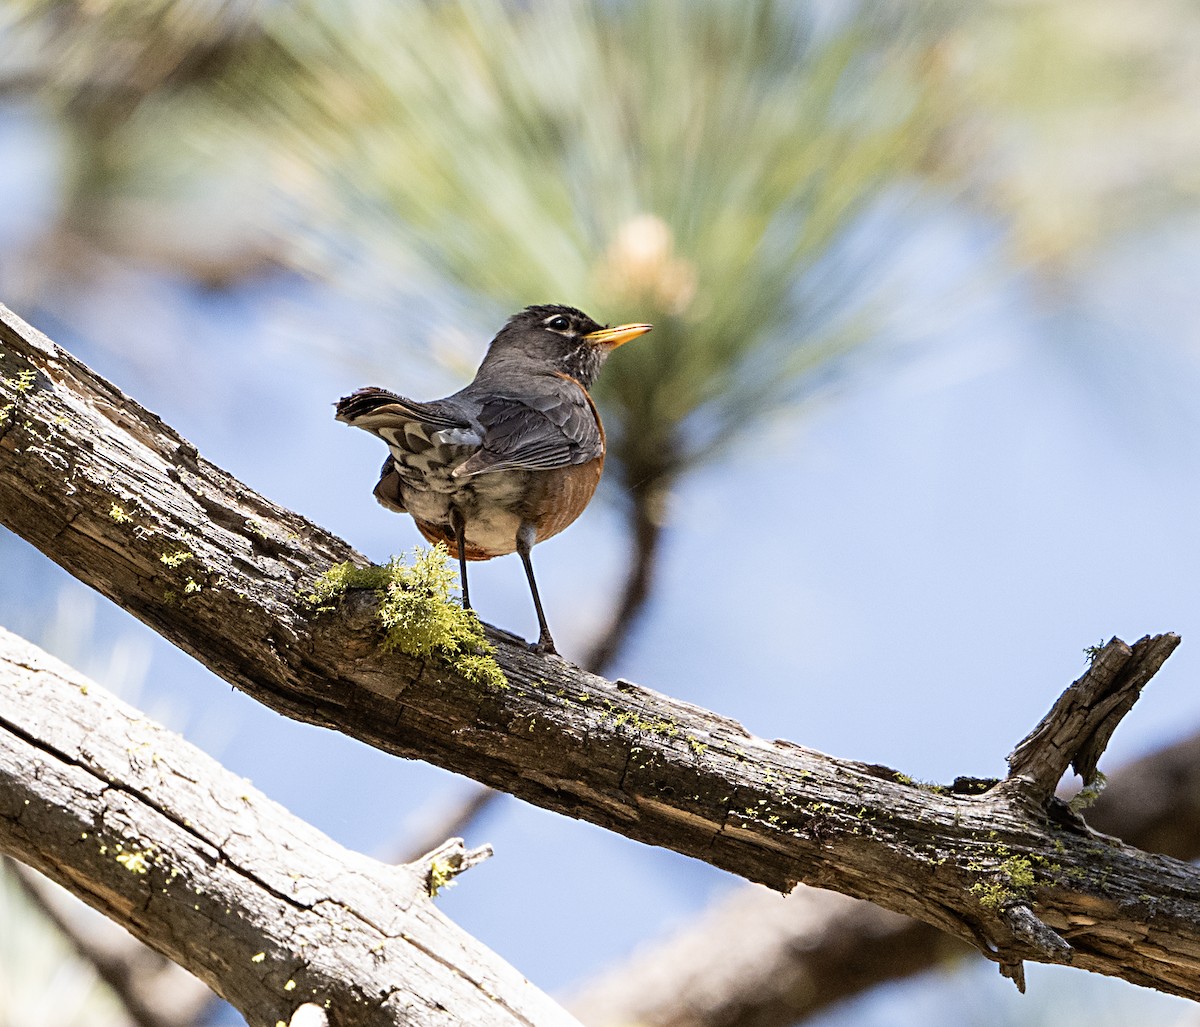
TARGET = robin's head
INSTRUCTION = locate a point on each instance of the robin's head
(562, 337)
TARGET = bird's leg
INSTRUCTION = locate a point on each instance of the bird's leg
(526, 536)
(459, 524)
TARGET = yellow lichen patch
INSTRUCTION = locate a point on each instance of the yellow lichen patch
(134, 862)
(417, 611)
(176, 559)
(117, 513)
(441, 875)
(1015, 884)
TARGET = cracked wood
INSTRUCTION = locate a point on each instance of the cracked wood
(195, 862)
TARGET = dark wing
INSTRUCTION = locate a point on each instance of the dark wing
(555, 427)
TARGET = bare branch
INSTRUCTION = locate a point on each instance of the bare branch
(125, 504)
(195, 862)
(751, 961)
(1076, 731)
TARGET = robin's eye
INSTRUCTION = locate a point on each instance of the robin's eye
(558, 324)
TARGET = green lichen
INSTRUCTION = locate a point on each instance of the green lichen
(924, 786)
(481, 668)
(1015, 883)
(177, 559)
(621, 718)
(417, 612)
(117, 513)
(991, 896)
(1019, 871)
(342, 577)
(20, 383)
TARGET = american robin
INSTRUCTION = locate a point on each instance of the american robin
(514, 457)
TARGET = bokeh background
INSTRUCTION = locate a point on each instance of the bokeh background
(917, 423)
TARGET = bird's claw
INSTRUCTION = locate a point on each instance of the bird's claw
(544, 647)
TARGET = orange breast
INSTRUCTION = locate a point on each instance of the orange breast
(568, 490)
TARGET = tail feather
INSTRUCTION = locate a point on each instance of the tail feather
(372, 408)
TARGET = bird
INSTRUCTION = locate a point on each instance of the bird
(510, 460)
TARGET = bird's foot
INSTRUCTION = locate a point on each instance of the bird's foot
(544, 646)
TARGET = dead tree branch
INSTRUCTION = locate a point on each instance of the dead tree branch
(753, 961)
(1076, 731)
(128, 506)
(208, 871)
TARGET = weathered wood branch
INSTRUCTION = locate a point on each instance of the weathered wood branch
(125, 504)
(1077, 729)
(205, 869)
(754, 961)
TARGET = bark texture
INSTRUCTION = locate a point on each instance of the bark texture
(199, 865)
(753, 961)
(128, 506)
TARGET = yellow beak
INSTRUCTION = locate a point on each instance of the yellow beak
(614, 337)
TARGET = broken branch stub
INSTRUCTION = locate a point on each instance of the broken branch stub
(1078, 727)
